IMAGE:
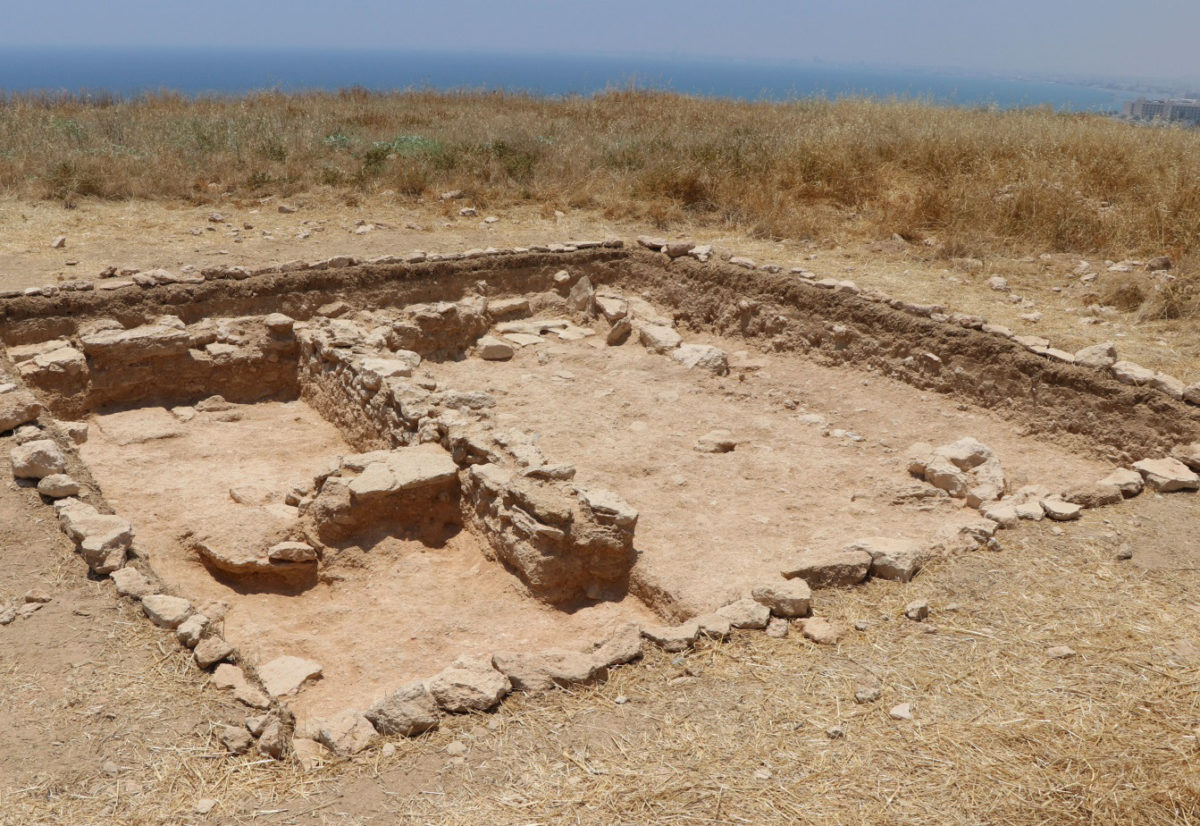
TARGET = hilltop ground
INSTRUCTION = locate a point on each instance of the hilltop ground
(102, 720)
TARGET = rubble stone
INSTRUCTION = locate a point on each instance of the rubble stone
(470, 683)
(546, 669)
(829, 569)
(166, 611)
(1167, 475)
(287, 674)
(893, 558)
(37, 459)
(346, 734)
(790, 598)
(746, 613)
(410, 710)
(672, 637)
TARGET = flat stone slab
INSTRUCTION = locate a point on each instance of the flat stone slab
(409, 468)
(287, 674)
(142, 424)
(829, 569)
(893, 558)
(1167, 475)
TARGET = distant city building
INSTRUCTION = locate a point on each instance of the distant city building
(1176, 110)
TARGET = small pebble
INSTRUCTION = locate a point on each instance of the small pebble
(1060, 652)
(456, 749)
(901, 712)
(205, 805)
(835, 732)
(917, 610)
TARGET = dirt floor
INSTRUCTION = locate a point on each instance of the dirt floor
(818, 463)
(398, 611)
(103, 720)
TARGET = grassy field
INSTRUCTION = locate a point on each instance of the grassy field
(977, 181)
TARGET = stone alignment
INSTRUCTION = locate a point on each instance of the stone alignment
(431, 459)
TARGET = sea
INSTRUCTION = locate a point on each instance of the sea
(130, 72)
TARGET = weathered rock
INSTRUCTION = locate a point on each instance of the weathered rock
(130, 582)
(822, 631)
(790, 598)
(211, 650)
(191, 630)
(658, 338)
(1189, 454)
(230, 677)
(716, 441)
(916, 457)
(672, 637)
(865, 694)
(1168, 384)
(714, 626)
(166, 611)
(546, 669)
(491, 348)
(408, 468)
(917, 610)
(17, 407)
(1003, 514)
(287, 674)
(1167, 475)
(612, 307)
(409, 711)
(746, 613)
(470, 683)
(37, 459)
(57, 486)
(274, 739)
(903, 711)
(1031, 511)
(945, 475)
(1096, 495)
(966, 453)
(619, 332)
(299, 552)
(309, 753)
(77, 432)
(778, 628)
(235, 739)
(136, 344)
(1099, 356)
(28, 433)
(503, 309)
(1191, 393)
(622, 646)
(678, 249)
(1127, 372)
(829, 569)
(346, 734)
(581, 296)
(1129, 482)
(702, 356)
(1061, 511)
(893, 558)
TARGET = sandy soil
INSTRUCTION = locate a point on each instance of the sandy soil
(390, 613)
(712, 526)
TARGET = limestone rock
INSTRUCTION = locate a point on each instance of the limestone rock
(166, 611)
(1096, 495)
(279, 324)
(136, 344)
(502, 309)
(273, 741)
(716, 441)
(1127, 372)
(1191, 393)
(17, 407)
(346, 734)
(1004, 514)
(1099, 356)
(235, 739)
(77, 432)
(387, 368)
(409, 711)
(714, 626)
(790, 598)
(309, 753)
(1188, 454)
(966, 453)
(581, 296)
(131, 582)
(211, 650)
(903, 711)
(37, 459)
(746, 613)
(546, 669)
(822, 631)
(1168, 384)
(658, 338)
(916, 457)
(57, 486)
(408, 468)
(1031, 511)
(619, 332)
(917, 610)
(829, 569)
(893, 558)
(299, 552)
(1166, 475)
(491, 348)
(1129, 482)
(287, 674)
(945, 475)
(191, 630)
(612, 308)
(470, 683)
(702, 356)
(622, 646)
(672, 637)
(778, 628)
(1061, 511)
(230, 677)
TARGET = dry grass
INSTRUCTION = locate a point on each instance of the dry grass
(977, 180)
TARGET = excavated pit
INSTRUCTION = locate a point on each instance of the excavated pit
(381, 467)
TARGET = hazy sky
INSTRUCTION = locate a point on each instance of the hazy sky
(1147, 38)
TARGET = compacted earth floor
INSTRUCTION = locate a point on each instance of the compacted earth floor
(818, 461)
(390, 611)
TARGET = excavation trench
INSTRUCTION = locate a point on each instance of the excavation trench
(326, 458)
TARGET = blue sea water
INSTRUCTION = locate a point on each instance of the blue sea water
(129, 72)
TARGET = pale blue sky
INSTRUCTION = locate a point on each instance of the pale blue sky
(1147, 38)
